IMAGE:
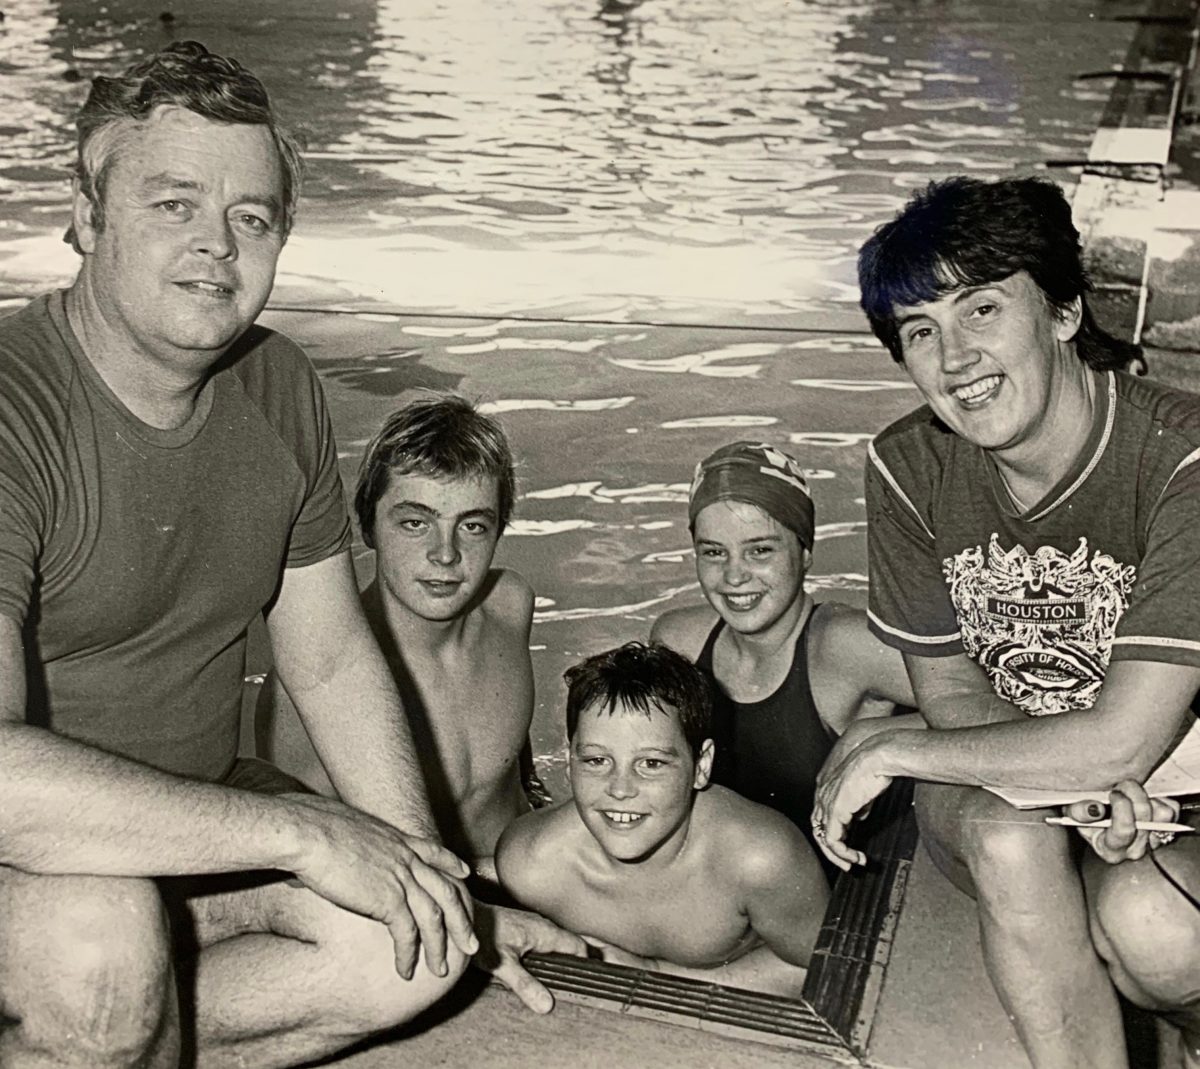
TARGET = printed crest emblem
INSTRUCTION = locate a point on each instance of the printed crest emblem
(1040, 624)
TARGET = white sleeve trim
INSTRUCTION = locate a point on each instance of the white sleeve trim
(923, 640)
(882, 468)
(1190, 459)
(1147, 640)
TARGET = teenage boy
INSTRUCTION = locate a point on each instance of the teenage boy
(650, 861)
(435, 492)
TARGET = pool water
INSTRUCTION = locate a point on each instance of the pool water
(627, 226)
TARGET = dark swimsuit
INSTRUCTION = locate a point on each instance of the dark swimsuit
(770, 751)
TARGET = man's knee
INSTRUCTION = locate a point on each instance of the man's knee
(365, 993)
(1146, 932)
(85, 967)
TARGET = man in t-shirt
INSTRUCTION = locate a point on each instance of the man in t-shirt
(1034, 540)
(168, 473)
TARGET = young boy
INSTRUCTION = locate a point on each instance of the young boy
(650, 862)
(435, 491)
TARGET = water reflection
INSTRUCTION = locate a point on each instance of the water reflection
(667, 159)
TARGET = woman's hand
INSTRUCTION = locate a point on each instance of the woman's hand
(1130, 805)
(844, 789)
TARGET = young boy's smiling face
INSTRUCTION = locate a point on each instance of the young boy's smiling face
(633, 777)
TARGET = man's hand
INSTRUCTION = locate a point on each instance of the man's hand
(845, 788)
(411, 885)
(506, 936)
(1130, 804)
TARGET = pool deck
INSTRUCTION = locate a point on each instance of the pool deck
(937, 1009)
(928, 1018)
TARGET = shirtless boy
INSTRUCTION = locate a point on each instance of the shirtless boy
(649, 861)
(435, 491)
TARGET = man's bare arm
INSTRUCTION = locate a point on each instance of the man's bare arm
(337, 678)
(66, 807)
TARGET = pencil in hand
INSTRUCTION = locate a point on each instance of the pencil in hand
(1142, 825)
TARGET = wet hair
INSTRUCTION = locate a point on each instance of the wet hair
(440, 436)
(185, 75)
(967, 232)
(645, 678)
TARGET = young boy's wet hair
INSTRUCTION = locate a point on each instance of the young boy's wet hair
(439, 436)
(645, 678)
(967, 232)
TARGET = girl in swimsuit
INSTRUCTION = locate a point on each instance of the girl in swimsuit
(791, 676)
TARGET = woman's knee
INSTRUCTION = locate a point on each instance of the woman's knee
(1005, 857)
(87, 964)
(1147, 933)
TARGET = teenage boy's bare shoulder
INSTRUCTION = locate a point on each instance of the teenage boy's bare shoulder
(506, 599)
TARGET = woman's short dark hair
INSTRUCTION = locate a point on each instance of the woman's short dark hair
(185, 75)
(967, 232)
(642, 677)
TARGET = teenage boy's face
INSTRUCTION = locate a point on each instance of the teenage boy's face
(633, 778)
(434, 540)
(989, 360)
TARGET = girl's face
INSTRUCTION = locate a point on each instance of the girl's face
(751, 568)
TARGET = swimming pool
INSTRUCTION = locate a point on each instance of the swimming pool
(647, 211)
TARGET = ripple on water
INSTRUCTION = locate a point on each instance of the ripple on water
(712, 363)
(589, 404)
(650, 493)
(831, 439)
(854, 385)
(719, 421)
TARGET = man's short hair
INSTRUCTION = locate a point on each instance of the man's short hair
(185, 75)
(967, 232)
(642, 677)
(439, 436)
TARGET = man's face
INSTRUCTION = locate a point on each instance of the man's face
(633, 778)
(989, 360)
(193, 226)
(751, 568)
(434, 540)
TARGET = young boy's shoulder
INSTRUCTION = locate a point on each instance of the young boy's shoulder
(759, 843)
